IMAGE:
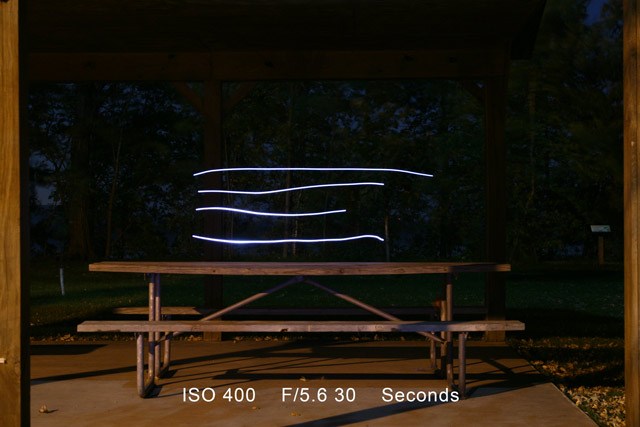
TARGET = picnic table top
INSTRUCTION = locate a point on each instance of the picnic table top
(297, 268)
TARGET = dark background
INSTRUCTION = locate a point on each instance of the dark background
(112, 164)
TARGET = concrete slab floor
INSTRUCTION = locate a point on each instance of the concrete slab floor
(265, 383)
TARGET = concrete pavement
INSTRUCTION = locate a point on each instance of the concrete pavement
(291, 383)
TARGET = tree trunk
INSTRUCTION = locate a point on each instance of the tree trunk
(112, 194)
(79, 175)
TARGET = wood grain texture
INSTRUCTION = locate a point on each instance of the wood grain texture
(298, 268)
(295, 326)
(288, 311)
(631, 35)
(14, 373)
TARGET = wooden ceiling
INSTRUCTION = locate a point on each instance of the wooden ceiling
(186, 27)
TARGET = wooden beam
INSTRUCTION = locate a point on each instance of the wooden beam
(188, 93)
(14, 289)
(241, 92)
(213, 160)
(76, 67)
(632, 211)
(495, 170)
(267, 65)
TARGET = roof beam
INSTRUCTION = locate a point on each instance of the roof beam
(267, 65)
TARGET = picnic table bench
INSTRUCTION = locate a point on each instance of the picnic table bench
(160, 331)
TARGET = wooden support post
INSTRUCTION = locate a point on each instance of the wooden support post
(14, 288)
(495, 153)
(600, 249)
(632, 211)
(213, 220)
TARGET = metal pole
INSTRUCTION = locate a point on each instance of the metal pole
(462, 364)
(62, 280)
(157, 316)
(152, 316)
(140, 363)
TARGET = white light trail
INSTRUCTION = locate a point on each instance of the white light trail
(314, 169)
(248, 242)
(220, 208)
(282, 190)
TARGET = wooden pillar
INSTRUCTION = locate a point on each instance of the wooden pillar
(213, 160)
(631, 212)
(14, 289)
(495, 163)
(600, 249)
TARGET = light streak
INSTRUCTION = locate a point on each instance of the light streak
(248, 242)
(282, 190)
(220, 208)
(314, 169)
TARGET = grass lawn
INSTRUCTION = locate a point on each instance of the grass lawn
(574, 315)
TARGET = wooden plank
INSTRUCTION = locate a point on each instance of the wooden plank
(265, 65)
(14, 289)
(298, 268)
(76, 67)
(495, 190)
(288, 311)
(631, 35)
(296, 326)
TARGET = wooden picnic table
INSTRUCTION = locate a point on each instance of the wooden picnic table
(299, 272)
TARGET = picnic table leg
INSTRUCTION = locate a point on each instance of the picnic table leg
(449, 317)
(462, 364)
(167, 349)
(140, 363)
(432, 354)
(152, 335)
(157, 316)
(443, 318)
(142, 386)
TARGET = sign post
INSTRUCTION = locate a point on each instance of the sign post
(600, 230)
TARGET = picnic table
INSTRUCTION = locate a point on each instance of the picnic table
(161, 331)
